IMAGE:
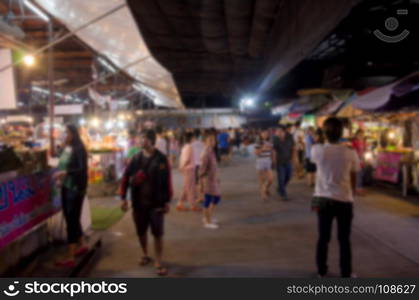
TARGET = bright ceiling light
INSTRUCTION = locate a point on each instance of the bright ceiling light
(36, 10)
(248, 102)
(29, 60)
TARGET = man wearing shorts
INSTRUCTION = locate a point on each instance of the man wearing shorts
(264, 157)
(149, 179)
(209, 182)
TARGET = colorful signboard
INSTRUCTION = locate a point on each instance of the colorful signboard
(388, 166)
(24, 203)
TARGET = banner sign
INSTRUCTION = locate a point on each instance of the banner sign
(7, 79)
(24, 203)
(388, 166)
(69, 109)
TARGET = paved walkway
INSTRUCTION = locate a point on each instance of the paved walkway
(273, 239)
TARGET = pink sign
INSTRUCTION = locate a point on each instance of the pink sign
(388, 166)
(24, 203)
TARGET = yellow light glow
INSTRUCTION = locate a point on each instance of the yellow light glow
(391, 135)
(95, 122)
(29, 60)
(368, 156)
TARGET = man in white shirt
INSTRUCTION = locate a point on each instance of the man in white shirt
(337, 166)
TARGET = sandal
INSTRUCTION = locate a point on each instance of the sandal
(181, 208)
(81, 251)
(145, 260)
(162, 271)
(196, 209)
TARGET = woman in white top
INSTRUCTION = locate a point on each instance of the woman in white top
(264, 158)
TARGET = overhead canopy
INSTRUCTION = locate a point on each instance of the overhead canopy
(231, 47)
(400, 94)
(117, 37)
(299, 28)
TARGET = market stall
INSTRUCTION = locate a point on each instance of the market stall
(28, 198)
(391, 158)
(107, 143)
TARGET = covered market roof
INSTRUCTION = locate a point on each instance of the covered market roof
(209, 52)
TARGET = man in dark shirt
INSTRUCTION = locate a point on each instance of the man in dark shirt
(149, 179)
(283, 155)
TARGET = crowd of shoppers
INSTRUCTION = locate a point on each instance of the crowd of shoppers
(333, 168)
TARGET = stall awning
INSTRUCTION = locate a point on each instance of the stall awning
(394, 96)
(282, 109)
(339, 98)
(117, 37)
(308, 104)
(320, 101)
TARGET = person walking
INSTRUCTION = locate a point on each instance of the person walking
(209, 181)
(300, 147)
(309, 141)
(187, 168)
(149, 179)
(198, 147)
(360, 146)
(337, 166)
(72, 173)
(173, 149)
(161, 141)
(224, 146)
(264, 159)
(283, 144)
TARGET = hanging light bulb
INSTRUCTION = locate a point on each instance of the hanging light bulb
(29, 60)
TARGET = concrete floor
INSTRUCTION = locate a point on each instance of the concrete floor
(273, 239)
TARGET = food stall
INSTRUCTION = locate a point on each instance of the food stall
(391, 158)
(107, 142)
(394, 106)
(27, 196)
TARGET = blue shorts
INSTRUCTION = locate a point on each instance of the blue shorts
(210, 199)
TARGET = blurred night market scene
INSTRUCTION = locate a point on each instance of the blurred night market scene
(209, 138)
